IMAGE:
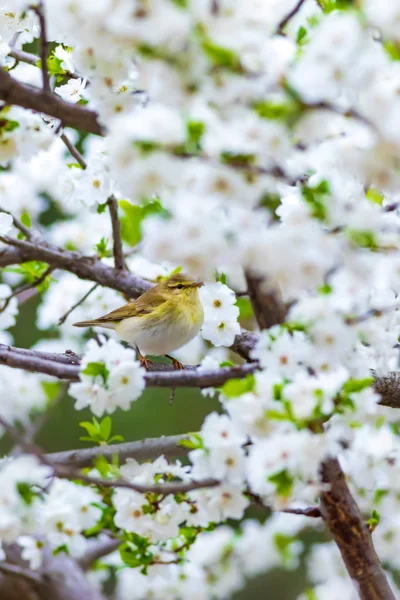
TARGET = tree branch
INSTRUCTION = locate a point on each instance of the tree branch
(98, 549)
(139, 450)
(344, 520)
(162, 488)
(63, 367)
(73, 151)
(266, 301)
(17, 571)
(288, 17)
(119, 261)
(85, 267)
(80, 301)
(39, 10)
(30, 97)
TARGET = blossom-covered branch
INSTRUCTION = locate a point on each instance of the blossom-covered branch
(27, 96)
(169, 446)
(63, 366)
(344, 520)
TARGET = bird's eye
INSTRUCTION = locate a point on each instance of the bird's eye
(180, 286)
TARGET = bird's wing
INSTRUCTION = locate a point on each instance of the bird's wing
(144, 305)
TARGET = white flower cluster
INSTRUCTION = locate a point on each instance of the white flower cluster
(220, 314)
(110, 377)
(61, 514)
(218, 562)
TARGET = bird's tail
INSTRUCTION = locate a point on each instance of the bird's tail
(96, 323)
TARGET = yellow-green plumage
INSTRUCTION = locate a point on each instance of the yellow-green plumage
(160, 321)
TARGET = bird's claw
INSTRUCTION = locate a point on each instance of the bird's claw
(177, 365)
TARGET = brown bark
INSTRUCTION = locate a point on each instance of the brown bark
(346, 524)
(27, 96)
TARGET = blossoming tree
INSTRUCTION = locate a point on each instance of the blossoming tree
(254, 144)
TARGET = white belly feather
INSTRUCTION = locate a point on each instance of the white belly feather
(158, 339)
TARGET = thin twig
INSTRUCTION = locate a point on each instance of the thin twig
(21, 572)
(73, 151)
(26, 286)
(18, 224)
(32, 59)
(74, 306)
(162, 488)
(72, 473)
(119, 261)
(288, 17)
(168, 446)
(98, 549)
(311, 511)
(39, 10)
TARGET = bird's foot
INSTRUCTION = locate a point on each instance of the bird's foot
(175, 363)
(145, 362)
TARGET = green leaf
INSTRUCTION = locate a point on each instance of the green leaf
(374, 520)
(379, 494)
(194, 442)
(356, 385)
(101, 464)
(195, 131)
(363, 238)
(51, 389)
(26, 219)
(283, 481)
(287, 111)
(375, 196)
(231, 158)
(59, 549)
(102, 249)
(221, 57)
(316, 198)
(392, 48)
(101, 208)
(271, 202)
(7, 125)
(310, 594)
(301, 37)
(26, 492)
(116, 438)
(105, 427)
(95, 369)
(54, 65)
(134, 552)
(245, 308)
(236, 387)
(134, 214)
(282, 543)
(220, 277)
(325, 289)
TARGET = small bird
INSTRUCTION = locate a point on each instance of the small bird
(160, 321)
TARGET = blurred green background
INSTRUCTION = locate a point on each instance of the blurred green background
(150, 416)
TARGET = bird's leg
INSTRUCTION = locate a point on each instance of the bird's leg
(145, 362)
(176, 364)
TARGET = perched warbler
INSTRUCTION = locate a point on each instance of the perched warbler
(160, 321)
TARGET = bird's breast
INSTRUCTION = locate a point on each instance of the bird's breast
(162, 333)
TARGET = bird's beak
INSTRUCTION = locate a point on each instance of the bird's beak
(197, 284)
